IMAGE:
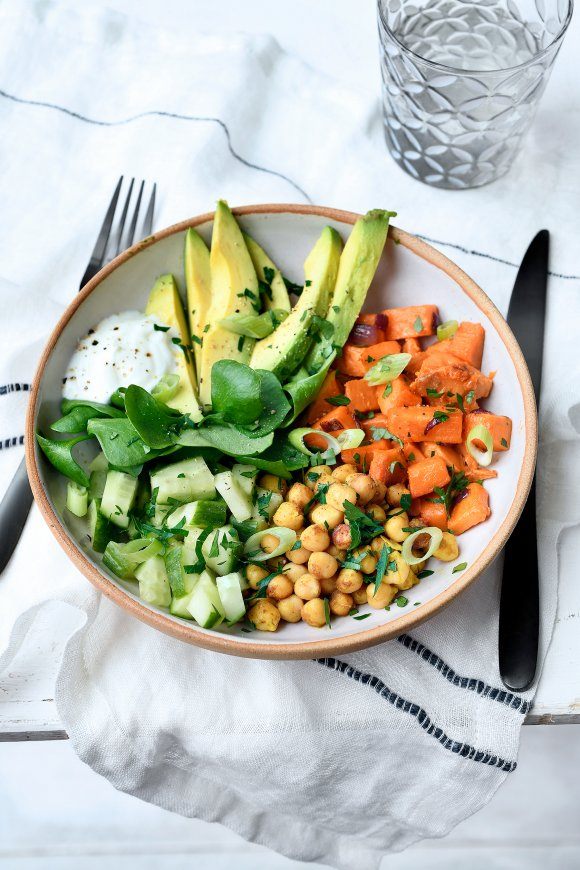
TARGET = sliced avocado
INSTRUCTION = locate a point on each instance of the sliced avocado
(198, 284)
(164, 303)
(262, 261)
(358, 265)
(283, 350)
(234, 285)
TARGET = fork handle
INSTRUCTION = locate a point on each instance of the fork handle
(14, 509)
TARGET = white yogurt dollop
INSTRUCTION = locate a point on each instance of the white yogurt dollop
(121, 350)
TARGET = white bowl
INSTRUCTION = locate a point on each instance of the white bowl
(410, 273)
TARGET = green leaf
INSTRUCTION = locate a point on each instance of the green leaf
(59, 454)
(275, 405)
(338, 400)
(303, 391)
(122, 444)
(418, 324)
(235, 392)
(280, 459)
(362, 527)
(382, 566)
(153, 421)
(461, 567)
(77, 414)
(227, 439)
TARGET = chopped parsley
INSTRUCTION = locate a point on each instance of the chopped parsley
(425, 573)
(197, 340)
(327, 612)
(503, 442)
(388, 390)
(338, 400)
(418, 324)
(378, 433)
(362, 527)
(470, 396)
(461, 567)
(319, 327)
(291, 287)
(434, 394)
(457, 484)
(159, 328)
(382, 566)
(241, 340)
(440, 416)
(362, 616)
(401, 601)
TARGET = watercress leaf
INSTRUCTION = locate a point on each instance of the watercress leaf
(301, 392)
(275, 405)
(99, 408)
(280, 459)
(59, 454)
(153, 421)
(235, 392)
(75, 421)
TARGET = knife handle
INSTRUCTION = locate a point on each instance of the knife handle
(14, 509)
(519, 612)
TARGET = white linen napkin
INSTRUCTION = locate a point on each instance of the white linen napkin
(331, 761)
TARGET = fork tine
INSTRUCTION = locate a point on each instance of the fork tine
(148, 222)
(99, 251)
(121, 227)
(133, 224)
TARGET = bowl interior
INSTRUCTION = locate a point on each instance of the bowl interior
(403, 278)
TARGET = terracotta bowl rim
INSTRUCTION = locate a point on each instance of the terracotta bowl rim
(317, 648)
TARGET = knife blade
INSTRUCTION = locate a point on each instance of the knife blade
(519, 614)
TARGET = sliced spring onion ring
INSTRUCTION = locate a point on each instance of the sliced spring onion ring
(483, 435)
(387, 369)
(350, 438)
(255, 325)
(296, 439)
(447, 330)
(287, 538)
(166, 388)
(436, 536)
(137, 551)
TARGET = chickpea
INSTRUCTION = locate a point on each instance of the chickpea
(337, 552)
(327, 516)
(364, 486)
(316, 475)
(395, 525)
(448, 549)
(315, 538)
(299, 495)
(288, 516)
(293, 572)
(381, 491)
(341, 472)
(395, 493)
(322, 565)
(384, 595)
(402, 578)
(376, 513)
(274, 483)
(327, 585)
(290, 608)
(349, 580)
(341, 603)
(338, 493)
(265, 615)
(299, 556)
(368, 564)
(313, 612)
(254, 573)
(269, 543)
(342, 537)
(360, 595)
(280, 587)
(307, 587)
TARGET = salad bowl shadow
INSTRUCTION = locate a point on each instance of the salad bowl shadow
(411, 272)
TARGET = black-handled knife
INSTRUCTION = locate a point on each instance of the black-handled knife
(519, 616)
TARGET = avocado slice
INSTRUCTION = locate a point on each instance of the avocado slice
(261, 261)
(164, 304)
(358, 265)
(198, 284)
(283, 351)
(234, 286)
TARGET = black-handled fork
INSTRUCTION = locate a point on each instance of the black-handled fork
(15, 505)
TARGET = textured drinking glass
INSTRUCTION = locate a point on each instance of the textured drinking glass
(462, 80)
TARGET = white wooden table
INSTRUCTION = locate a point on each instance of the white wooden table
(27, 706)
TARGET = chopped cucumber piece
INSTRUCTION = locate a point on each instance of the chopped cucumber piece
(267, 503)
(189, 480)
(180, 606)
(153, 583)
(238, 501)
(99, 463)
(221, 550)
(124, 559)
(77, 499)
(101, 531)
(230, 592)
(175, 573)
(200, 514)
(97, 481)
(245, 477)
(205, 605)
(118, 497)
